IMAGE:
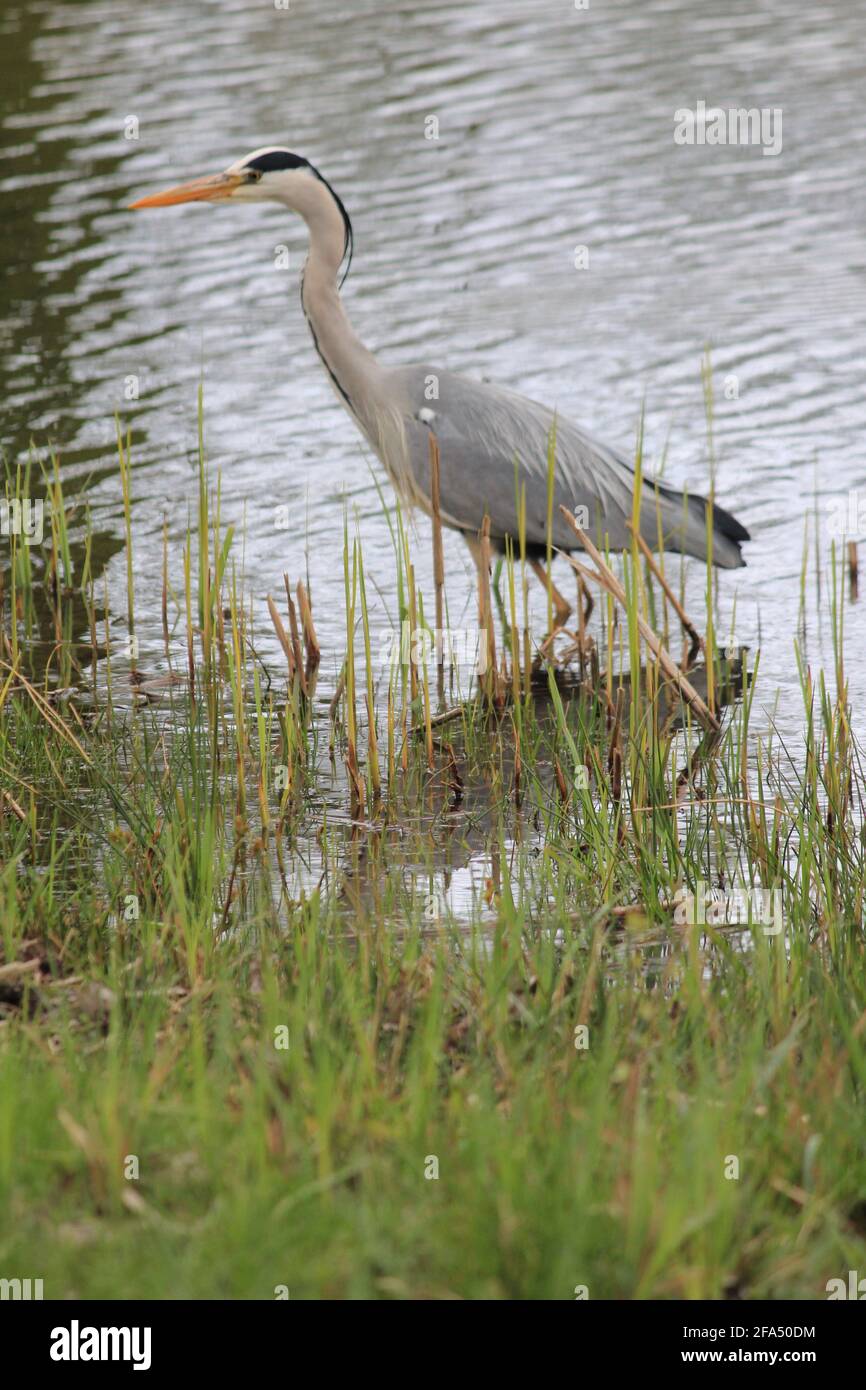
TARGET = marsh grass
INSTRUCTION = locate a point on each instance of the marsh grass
(282, 956)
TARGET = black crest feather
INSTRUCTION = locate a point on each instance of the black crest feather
(273, 161)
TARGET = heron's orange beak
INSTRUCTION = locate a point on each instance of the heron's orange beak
(208, 190)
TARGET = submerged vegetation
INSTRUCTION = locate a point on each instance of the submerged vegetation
(253, 1041)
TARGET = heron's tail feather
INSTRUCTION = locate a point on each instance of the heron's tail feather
(684, 523)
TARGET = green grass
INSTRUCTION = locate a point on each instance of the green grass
(261, 1165)
(187, 886)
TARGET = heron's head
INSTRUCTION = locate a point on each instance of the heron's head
(268, 175)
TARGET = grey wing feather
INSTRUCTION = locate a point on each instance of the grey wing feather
(484, 432)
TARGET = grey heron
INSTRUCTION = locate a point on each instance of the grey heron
(493, 443)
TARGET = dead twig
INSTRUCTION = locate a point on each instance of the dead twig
(694, 636)
(604, 576)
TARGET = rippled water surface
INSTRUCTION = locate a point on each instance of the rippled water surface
(555, 130)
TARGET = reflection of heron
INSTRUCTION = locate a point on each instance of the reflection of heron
(493, 444)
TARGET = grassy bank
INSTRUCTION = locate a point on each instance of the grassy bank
(248, 1046)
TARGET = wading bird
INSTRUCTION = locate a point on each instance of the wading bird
(493, 444)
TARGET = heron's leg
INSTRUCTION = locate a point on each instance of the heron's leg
(583, 590)
(584, 601)
(561, 606)
(475, 550)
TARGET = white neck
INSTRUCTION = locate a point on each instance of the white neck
(353, 369)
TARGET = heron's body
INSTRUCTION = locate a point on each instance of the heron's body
(493, 444)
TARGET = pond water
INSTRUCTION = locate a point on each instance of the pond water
(555, 130)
